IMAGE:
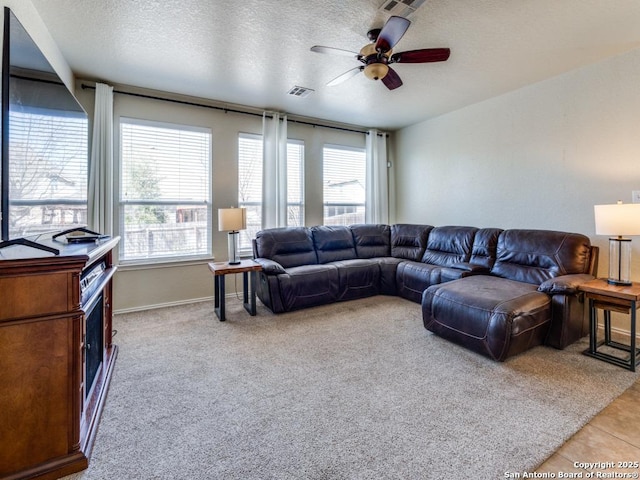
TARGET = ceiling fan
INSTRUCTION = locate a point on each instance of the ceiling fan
(377, 55)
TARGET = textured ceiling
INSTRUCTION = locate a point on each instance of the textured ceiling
(252, 52)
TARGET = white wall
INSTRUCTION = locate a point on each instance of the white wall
(166, 284)
(539, 157)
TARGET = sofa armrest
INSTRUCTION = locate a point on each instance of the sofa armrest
(471, 268)
(565, 284)
(270, 267)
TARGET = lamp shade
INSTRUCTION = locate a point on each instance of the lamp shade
(232, 219)
(617, 219)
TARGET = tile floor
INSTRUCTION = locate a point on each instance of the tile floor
(612, 436)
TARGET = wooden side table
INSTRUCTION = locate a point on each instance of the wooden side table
(246, 267)
(612, 298)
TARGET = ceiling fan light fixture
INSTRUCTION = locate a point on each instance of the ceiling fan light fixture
(376, 71)
(376, 57)
(368, 49)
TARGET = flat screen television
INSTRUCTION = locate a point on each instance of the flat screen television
(44, 167)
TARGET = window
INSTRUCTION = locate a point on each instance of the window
(344, 171)
(165, 191)
(250, 162)
(47, 171)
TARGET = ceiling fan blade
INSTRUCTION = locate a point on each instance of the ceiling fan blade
(345, 76)
(391, 33)
(334, 51)
(421, 56)
(391, 79)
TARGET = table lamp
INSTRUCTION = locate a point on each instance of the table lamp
(619, 219)
(231, 220)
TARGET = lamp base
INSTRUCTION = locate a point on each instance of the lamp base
(234, 257)
(619, 261)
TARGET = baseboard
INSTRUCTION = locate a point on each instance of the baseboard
(142, 308)
(162, 305)
(618, 331)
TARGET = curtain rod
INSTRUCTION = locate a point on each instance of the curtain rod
(39, 80)
(225, 110)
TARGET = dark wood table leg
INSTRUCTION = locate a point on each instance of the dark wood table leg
(249, 306)
(593, 327)
(634, 356)
(607, 327)
(218, 295)
(245, 288)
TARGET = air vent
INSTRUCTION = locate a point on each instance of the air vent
(401, 8)
(300, 91)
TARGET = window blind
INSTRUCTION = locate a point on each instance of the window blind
(344, 174)
(165, 193)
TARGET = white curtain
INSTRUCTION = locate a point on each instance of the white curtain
(101, 163)
(377, 188)
(274, 175)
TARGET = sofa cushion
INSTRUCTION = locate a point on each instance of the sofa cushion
(409, 241)
(533, 256)
(372, 240)
(333, 243)
(309, 285)
(448, 245)
(357, 278)
(289, 246)
(485, 245)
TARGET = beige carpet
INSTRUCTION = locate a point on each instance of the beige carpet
(356, 390)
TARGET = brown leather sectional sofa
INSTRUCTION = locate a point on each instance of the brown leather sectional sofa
(498, 292)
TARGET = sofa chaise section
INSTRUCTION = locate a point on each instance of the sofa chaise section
(529, 297)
